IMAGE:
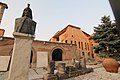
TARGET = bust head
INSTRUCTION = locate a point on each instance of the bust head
(27, 12)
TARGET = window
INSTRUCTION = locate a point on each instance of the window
(92, 55)
(83, 54)
(92, 44)
(85, 46)
(82, 45)
(88, 46)
(65, 41)
(79, 44)
(75, 42)
(71, 42)
(57, 38)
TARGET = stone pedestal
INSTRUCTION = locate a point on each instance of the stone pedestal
(51, 67)
(19, 67)
(61, 68)
(83, 63)
(78, 65)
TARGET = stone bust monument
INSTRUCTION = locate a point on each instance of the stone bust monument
(25, 24)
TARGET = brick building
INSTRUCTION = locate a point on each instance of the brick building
(67, 44)
(74, 35)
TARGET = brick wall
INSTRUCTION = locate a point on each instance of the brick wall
(68, 51)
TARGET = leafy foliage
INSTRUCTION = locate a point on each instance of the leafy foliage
(108, 37)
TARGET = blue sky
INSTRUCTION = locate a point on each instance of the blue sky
(54, 15)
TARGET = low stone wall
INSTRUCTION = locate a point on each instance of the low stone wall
(65, 72)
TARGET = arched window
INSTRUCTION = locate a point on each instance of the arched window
(88, 46)
(79, 44)
(85, 46)
(82, 45)
(75, 42)
(65, 41)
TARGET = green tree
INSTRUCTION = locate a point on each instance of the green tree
(107, 35)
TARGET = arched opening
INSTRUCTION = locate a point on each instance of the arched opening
(33, 58)
(57, 55)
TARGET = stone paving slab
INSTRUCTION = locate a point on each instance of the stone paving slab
(42, 59)
(37, 74)
(3, 75)
(4, 62)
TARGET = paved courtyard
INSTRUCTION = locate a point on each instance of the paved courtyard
(98, 74)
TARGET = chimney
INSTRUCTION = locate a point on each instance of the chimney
(3, 6)
(1, 33)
